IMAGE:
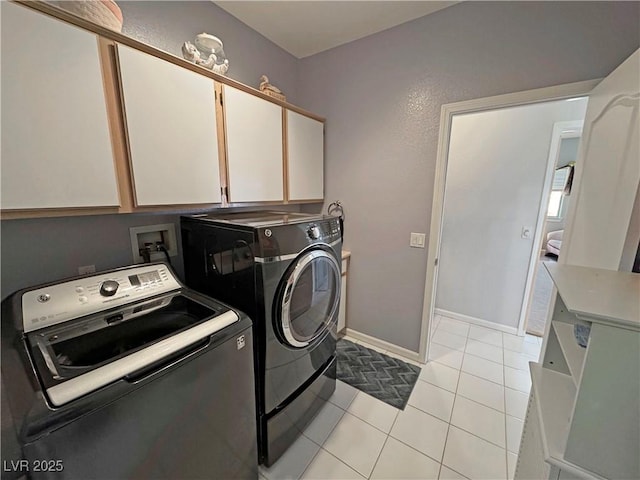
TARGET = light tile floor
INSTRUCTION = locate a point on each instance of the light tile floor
(464, 418)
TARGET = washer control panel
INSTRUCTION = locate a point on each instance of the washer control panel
(109, 288)
(65, 301)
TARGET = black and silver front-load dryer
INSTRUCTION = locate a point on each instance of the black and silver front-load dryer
(127, 374)
(283, 270)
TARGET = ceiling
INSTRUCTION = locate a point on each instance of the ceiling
(305, 28)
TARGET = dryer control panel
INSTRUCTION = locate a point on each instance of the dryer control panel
(325, 230)
(61, 302)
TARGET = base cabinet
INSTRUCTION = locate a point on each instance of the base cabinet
(583, 420)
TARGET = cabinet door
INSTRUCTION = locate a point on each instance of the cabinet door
(305, 152)
(171, 125)
(604, 205)
(254, 147)
(56, 147)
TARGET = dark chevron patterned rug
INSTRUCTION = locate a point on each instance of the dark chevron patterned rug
(383, 377)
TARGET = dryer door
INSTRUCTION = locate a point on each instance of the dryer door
(310, 298)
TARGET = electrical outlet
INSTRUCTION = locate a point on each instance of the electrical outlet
(417, 240)
(85, 269)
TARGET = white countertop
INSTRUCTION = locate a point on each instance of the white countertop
(606, 296)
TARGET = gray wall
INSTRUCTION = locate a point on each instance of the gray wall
(382, 97)
(41, 250)
(168, 24)
(36, 251)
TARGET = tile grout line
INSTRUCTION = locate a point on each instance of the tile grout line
(504, 393)
(344, 412)
(340, 460)
(434, 385)
(414, 448)
(333, 428)
(385, 443)
(460, 371)
(453, 406)
(481, 438)
(312, 459)
(463, 371)
(373, 469)
(365, 421)
(482, 404)
(387, 434)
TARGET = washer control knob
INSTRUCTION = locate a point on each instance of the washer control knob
(313, 232)
(109, 288)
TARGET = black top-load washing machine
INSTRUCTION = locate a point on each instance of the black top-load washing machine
(283, 270)
(127, 374)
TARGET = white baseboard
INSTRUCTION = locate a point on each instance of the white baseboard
(376, 342)
(477, 321)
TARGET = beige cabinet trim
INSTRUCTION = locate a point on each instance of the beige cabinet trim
(56, 212)
(117, 125)
(285, 156)
(221, 125)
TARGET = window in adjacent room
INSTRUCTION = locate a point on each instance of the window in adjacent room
(560, 178)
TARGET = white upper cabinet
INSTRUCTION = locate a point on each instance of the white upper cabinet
(56, 147)
(171, 126)
(305, 152)
(254, 147)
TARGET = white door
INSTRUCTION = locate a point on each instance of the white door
(598, 232)
(171, 126)
(56, 148)
(254, 147)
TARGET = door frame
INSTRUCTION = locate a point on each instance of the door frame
(558, 92)
(561, 131)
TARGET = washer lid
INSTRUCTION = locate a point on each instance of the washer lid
(78, 357)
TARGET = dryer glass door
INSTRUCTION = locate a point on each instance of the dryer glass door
(311, 297)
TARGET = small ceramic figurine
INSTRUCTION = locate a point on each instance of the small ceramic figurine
(190, 52)
(207, 52)
(265, 85)
(269, 89)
